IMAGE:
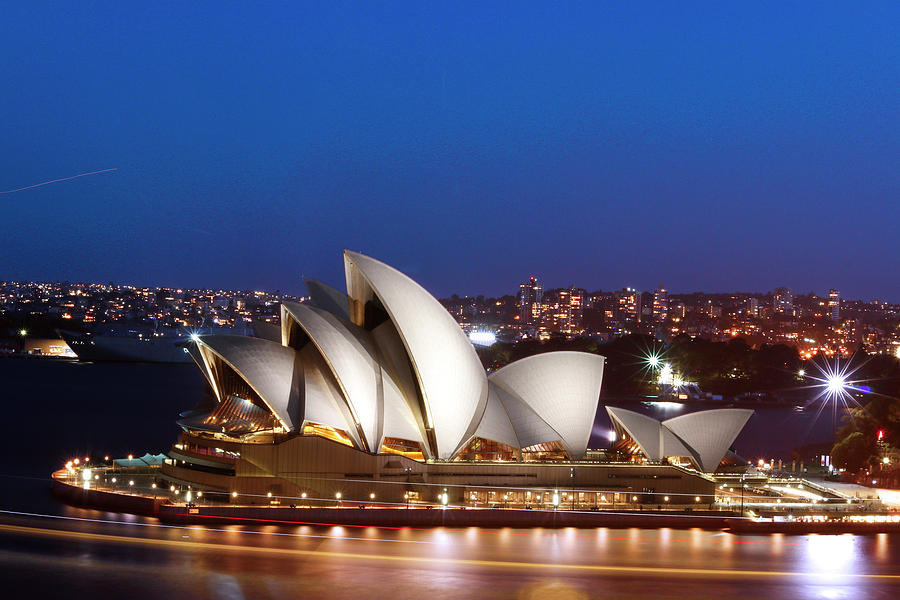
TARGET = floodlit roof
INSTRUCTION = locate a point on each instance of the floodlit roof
(709, 432)
(704, 436)
(328, 298)
(451, 379)
(267, 367)
(562, 389)
(387, 360)
(350, 355)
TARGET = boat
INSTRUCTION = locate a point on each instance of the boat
(137, 343)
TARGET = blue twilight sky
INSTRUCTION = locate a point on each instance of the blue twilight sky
(706, 146)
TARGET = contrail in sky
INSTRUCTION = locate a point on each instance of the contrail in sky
(28, 187)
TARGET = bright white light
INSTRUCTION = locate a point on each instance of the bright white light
(653, 361)
(836, 383)
(668, 405)
(86, 474)
(801, 372)
(483, 338)
(665, 374)
(195, 337)
(611, 434)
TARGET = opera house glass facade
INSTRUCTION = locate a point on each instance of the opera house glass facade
(377, 395)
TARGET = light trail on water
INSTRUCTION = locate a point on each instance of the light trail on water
(665, 572)
(504, 531)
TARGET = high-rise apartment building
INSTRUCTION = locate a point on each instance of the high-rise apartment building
(530, 296)
(784, 301)
(753, 306)
(629, 301)
(834, 305)
(660, 304)
(571, 304)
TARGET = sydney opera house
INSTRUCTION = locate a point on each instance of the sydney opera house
(377, 395)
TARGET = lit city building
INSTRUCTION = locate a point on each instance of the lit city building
(629, 305)
(834, 305)
(660, 304)
(784, 301)
(753, 306)
(529, 302)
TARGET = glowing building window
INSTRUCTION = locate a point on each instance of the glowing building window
(407, 448)
(335, 435)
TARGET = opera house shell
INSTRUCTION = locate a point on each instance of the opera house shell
(380, 387)
(702, 437)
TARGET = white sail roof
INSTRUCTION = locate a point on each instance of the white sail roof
(451, 379)
(402, 412)
(388, 360)
(495, 423)
(644, 430)
(194, 351)
(349, 353)
(323, 402)
(562, 388)
(328, 298)
(704, 436)
(267, 367)
(710, 432)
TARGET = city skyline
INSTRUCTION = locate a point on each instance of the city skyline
(707, 147)
(298, 291)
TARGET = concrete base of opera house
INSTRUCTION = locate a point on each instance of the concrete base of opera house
(168, 512)
(315, 467)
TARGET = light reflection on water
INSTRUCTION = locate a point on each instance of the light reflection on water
(665, 539)
(831, 555)
(881, 547)
(777, 544)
